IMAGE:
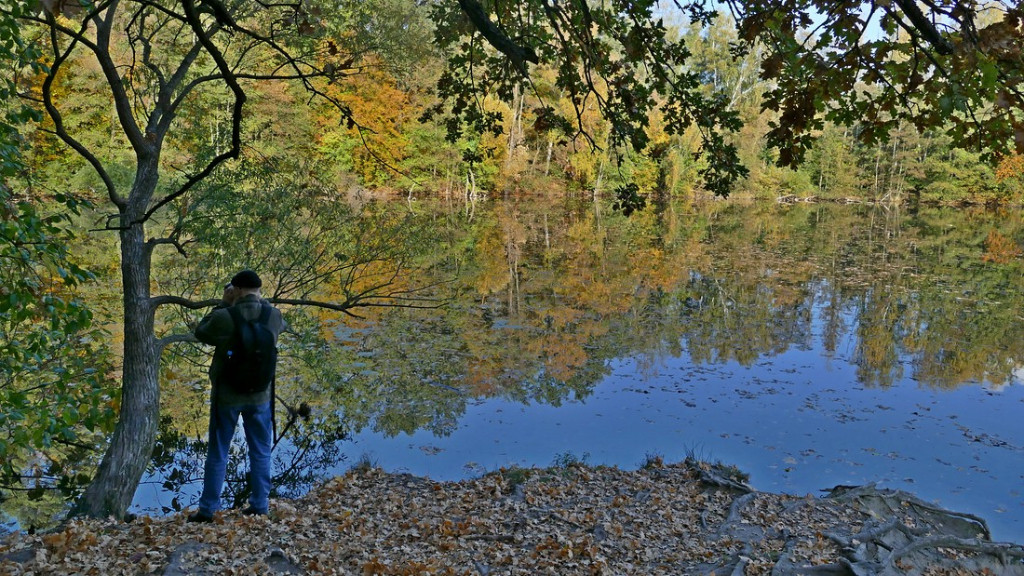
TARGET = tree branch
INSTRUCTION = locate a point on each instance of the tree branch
(58, 119)
(114, 81)
(157, 301)
(518, 55)
(202, 35)
(175, 338)
(925, 28)
(357, 301)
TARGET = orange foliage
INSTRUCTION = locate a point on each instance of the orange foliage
(1009, 167)
(999, 249)
(563, 355)
(382, 110)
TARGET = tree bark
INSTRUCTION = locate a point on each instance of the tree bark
(131, 445)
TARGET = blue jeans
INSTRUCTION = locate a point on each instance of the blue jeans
(258, 425)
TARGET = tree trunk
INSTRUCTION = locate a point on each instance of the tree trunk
(515, 133)
(131, 446)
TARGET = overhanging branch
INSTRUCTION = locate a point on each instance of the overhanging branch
(203, 37)
(924, 27)
(517, 55)
(360, 301)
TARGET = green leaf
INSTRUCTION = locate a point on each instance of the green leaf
(946, 104)
(989, 74)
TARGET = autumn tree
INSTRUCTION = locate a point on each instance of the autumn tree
(162, 66)
(951, 66)
(945, 65)
(53, 369)
(618, 58)
(161, 62)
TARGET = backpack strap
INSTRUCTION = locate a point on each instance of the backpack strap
(265, 314)
(242, 328)
(236, 316)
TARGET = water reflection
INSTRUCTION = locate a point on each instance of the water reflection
(810, 345)
(740, 282)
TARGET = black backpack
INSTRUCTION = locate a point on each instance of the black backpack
(251, 359)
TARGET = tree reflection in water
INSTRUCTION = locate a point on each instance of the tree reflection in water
(302, 457)
(543, 298)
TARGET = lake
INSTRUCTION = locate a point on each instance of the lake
(808, 345)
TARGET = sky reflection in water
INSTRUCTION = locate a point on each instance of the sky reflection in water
(797, 422)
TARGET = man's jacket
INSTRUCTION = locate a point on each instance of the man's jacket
(217, 328)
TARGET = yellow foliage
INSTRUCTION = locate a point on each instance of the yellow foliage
(493, 275)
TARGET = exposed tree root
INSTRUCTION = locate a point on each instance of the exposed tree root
(918, 538)
(892, 533)
(718, 475)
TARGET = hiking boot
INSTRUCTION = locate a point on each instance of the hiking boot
(250, 511)
(200, 518)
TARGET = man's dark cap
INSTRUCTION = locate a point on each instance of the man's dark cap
(246, 279)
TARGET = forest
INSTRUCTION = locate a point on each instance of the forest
(151, 148)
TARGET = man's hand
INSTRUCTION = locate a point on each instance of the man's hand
(230, 294)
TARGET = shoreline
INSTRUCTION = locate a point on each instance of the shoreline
(690, 517)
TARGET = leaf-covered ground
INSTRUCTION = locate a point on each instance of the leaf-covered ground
(688, 518)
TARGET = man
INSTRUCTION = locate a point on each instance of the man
(226, 404)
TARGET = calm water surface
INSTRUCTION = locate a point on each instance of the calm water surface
(797, 422)
(810, 346)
